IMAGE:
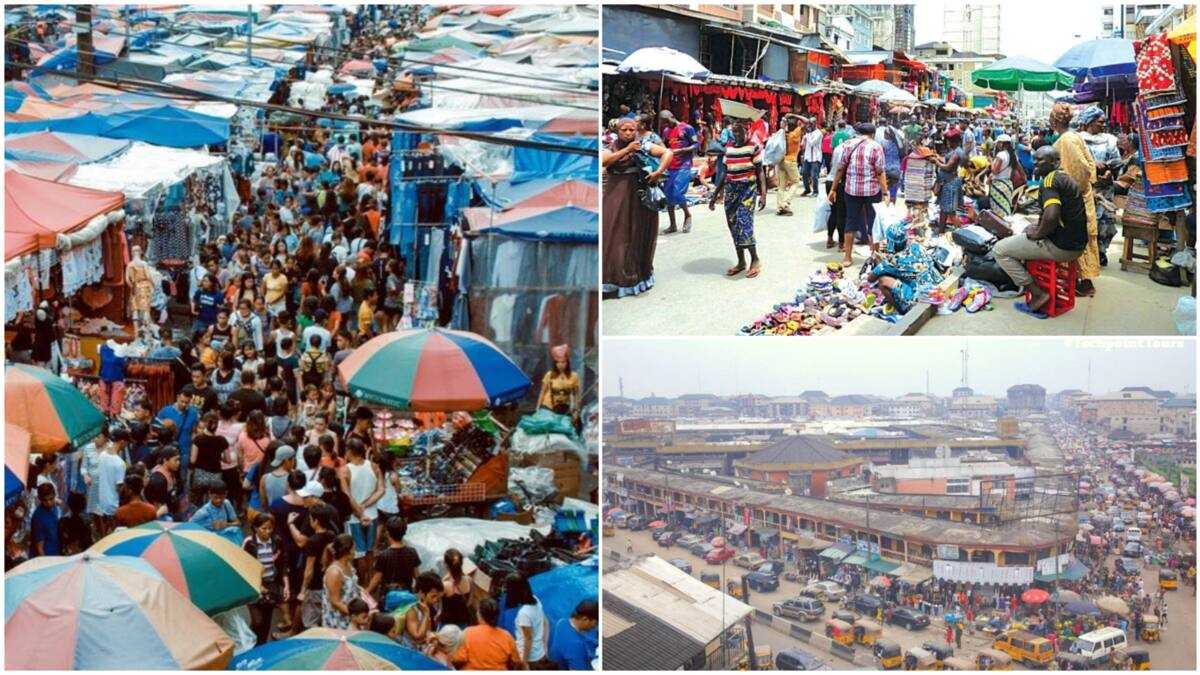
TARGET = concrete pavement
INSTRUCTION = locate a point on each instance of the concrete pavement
(692, 296)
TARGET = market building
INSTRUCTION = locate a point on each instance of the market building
(1026, 398)
(803, 463)
(1004, 553)
(943, 474)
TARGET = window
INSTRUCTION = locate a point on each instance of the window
(958, 486)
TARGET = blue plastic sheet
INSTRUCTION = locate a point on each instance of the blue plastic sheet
(535, 163)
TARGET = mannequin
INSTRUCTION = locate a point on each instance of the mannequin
(139, 278)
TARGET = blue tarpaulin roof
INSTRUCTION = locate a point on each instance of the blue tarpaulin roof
(565, 224)
(561, 589)
(167, 126)
(531, 163)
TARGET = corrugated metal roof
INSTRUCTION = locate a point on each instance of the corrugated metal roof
(677, 598)
(635, 639)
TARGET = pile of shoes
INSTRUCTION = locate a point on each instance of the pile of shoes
(828, 302)
(502, 557)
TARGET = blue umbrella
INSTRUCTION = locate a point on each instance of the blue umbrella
(1098, 58)
(1081, 607)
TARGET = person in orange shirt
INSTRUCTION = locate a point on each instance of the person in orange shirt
(789, 169)
(485, 646)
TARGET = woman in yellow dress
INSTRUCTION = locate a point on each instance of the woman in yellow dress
(1078, 162)
(560, 386)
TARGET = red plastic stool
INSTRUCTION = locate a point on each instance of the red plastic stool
(1057, 279)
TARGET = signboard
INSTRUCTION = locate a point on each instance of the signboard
(1048, 566)
(982, 573)
(867, 546)
(947, 552)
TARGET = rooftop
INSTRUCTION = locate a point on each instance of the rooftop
(680, 600)
(1025, 535)
(797, 450)
(637, 639)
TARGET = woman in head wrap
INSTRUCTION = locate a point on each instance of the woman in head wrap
(560, 386)
(1079, 164)
(1103, 146)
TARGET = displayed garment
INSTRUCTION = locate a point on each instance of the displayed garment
(1155, 69)
(82, 265)
(142, 282)
(18, 290)
(170, 236)
(500, 317)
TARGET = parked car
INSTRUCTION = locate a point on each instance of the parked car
(831, 591)
(687, 541)
(771, 567)
(1125, 566)
(682, 564)
(637, 523)
(719, 555)
(909, 618)
(701, 549)
(1132, 550)
(621, 521)
(864, 603)
(757, 581)
(803, 608)
(1133, 534)
(658, 532)
(1119, 526)
(668, 538)
(749, 560)
(798, 659)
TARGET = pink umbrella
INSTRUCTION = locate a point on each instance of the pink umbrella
(1096, 541)
(1191, 501)
(1035, 596)
(718, 542)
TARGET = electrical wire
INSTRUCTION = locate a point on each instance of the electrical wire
(124, 84)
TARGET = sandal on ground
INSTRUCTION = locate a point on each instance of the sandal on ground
(1024, 309)
(754, 270)
(734, 271)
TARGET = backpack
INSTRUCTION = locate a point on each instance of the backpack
(312, 367)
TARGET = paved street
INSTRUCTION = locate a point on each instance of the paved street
(693, 297)
(1176, 652)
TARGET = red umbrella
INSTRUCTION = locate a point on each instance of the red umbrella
(882, 580)
(1034, 596)
(657, 523)
(718, 542)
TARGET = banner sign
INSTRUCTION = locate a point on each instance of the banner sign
(982, 573)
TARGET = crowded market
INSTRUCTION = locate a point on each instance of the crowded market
(933, 215)
(300, 332)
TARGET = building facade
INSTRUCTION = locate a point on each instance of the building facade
(973, 27)
(953, 63)
(1027, 398)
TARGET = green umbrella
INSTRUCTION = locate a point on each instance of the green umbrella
(1018, 73)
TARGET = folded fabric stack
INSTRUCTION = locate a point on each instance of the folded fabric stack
(1160, 120)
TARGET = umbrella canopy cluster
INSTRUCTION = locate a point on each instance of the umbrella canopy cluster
(51, 410)
(1018, 73)
(663, 60)
(328, 649)
(433, 370)
(206, 568)
(94, 612)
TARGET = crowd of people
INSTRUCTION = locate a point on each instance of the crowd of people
(924, 162)
(260, 446)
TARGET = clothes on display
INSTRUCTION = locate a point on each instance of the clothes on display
(82, 265)
(1155, 70)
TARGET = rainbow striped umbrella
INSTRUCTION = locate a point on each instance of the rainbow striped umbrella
(16, 461)
(52, 410)
(433, 370)
(95, 612)
(208, 569)
(328, 649)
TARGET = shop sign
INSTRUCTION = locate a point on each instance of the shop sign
(1052, 566)
(982, 573)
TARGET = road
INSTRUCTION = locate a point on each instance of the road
(1177, 651)
(692, 296)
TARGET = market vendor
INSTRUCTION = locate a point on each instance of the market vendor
(1060, 234)
(560, 386)
(1077, 161)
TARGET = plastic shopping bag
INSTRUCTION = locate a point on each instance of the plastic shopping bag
(774, 149)
(821, 217)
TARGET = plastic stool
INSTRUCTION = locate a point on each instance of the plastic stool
(1057, 279)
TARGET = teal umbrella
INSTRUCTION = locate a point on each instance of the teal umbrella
(1018, 73)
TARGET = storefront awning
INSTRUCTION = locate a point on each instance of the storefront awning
(766, 532)
(856, 559)
(834, 553)
(807, 544)
(736, 530)
(882, 566)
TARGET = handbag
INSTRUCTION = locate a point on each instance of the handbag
(650, 194)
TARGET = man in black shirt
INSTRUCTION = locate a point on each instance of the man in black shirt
(1060, 235)
(248, 397)
(203, 395)
(396, 565)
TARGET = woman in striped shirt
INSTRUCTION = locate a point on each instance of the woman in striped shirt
(742, 178)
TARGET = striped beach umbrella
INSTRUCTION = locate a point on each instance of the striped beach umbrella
(16, 461)
(432, 370)
(208, 569)
(328, 649)
(52, 410)
(94, 612)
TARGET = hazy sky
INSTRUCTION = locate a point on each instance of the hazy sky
(1042, 30)
(890, 366)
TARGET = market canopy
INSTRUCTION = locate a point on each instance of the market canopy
(36, 211)
(55, 146)
(1098, 58)
(1017, 73)
(663, 60)
(876, 87)
(549, 223)
(16, 462)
